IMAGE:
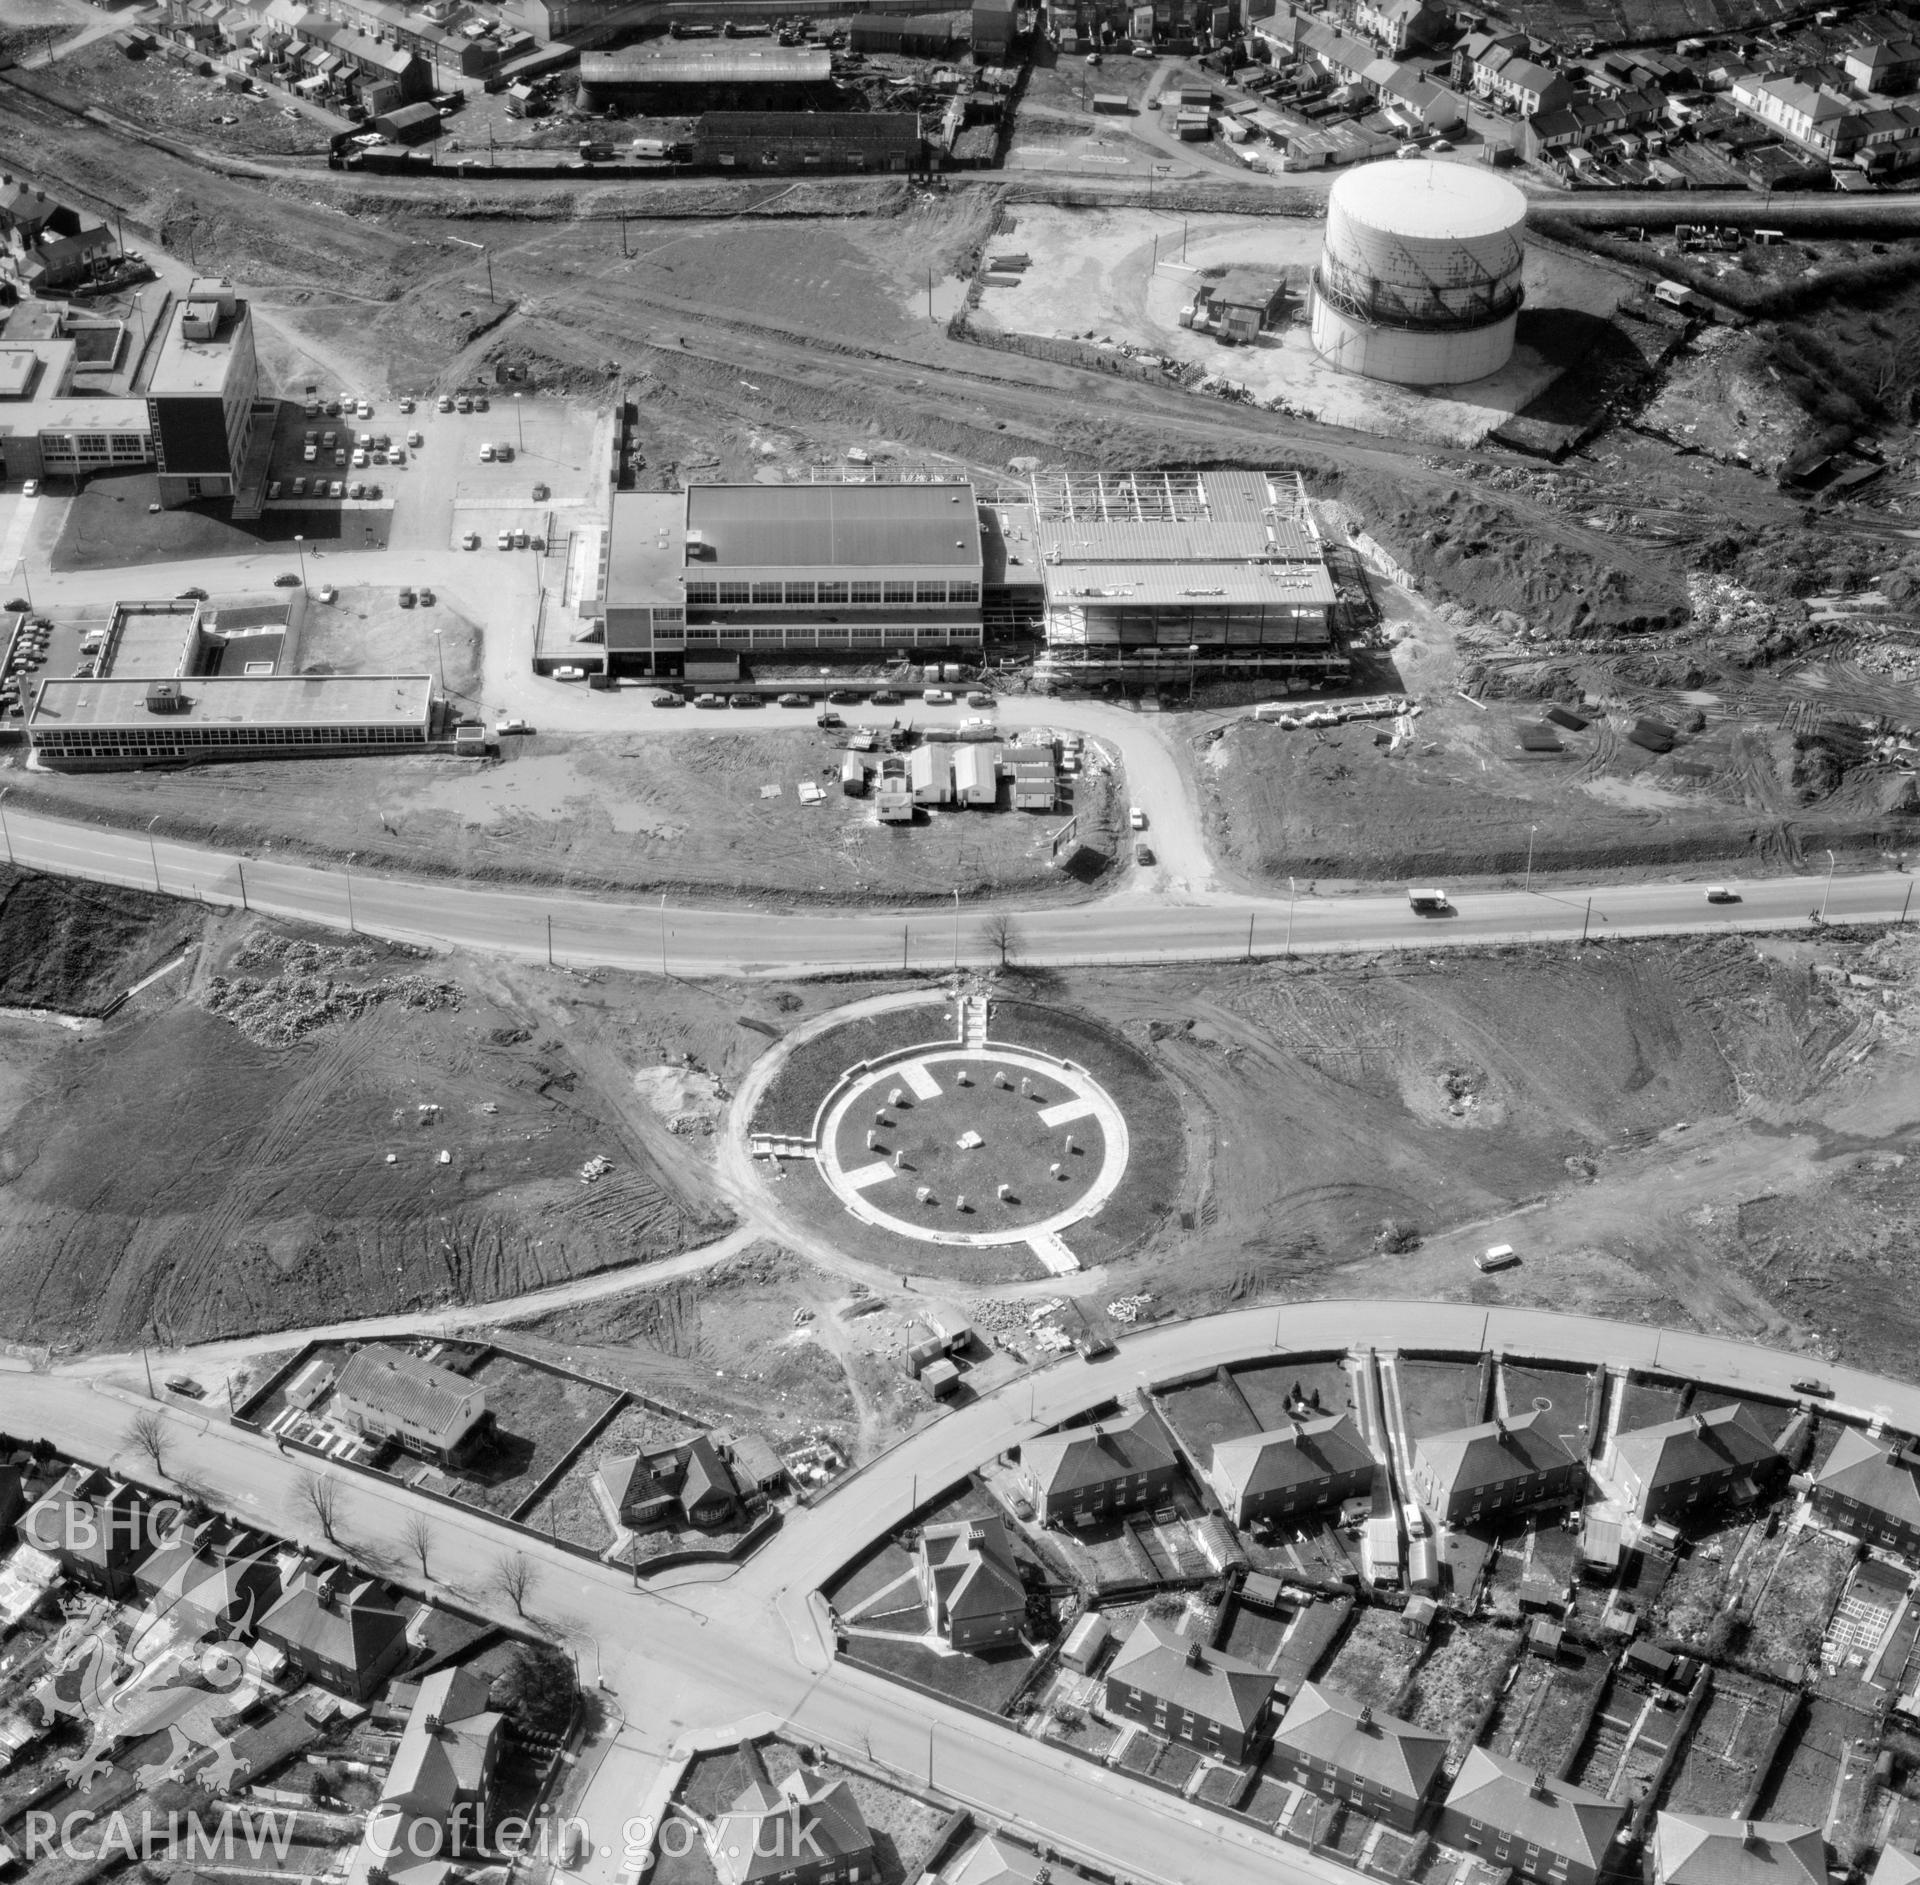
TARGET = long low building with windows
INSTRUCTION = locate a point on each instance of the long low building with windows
(93, 723)
(755, 569)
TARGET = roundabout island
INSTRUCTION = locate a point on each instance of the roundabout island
(1023, 1134)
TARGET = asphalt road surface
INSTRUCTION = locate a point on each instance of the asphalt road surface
(690, 1661)
(1132, 926)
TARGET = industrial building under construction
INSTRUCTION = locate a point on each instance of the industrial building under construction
(1121, 576)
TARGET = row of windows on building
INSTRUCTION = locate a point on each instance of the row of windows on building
(99, 448)
(118, 741)
(825, 634)
(828, 594)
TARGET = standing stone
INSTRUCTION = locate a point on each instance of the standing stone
(1053, 1170)
(924, 1194)
(1006, 1191)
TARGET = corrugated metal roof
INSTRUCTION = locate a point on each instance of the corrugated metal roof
(676, 64)
(892, 130)
(761, 526)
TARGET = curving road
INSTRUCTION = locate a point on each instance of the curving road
(1135, 925)
(698, 1660)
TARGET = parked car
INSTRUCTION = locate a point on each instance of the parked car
(187, 1385)
(937, 697)
(486, 454)
(373, 490)
(337, 488)
(327, 593)
(462, 404)
(309, 455)
(366, 409)
(746, 700)
(287, 579)
(793, 700)
(1136, 818)
(407, 598)
(426, 597)
(406, 405)
(886, 697)
(340, 458)
(480, 402)
(519, 539)
(356, 490)
(828, 719)
(668, 700)
(1143, 854)
(299, 487)
(471, 541)
(505, 539)
(1719, 893)
(709, 700)
(569, 674)
(1820, 1390)
(416, 439)
(193, 595)
(512, 726)
(843, 695)
(540, 494)
(329, 440)
(274, 489)
(979, 699)
(396, 455)
(443, 404)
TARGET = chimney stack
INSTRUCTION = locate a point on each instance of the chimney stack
(1751, 1836)
(1196, 1654)
(1364, 1720)
(1539, 1789)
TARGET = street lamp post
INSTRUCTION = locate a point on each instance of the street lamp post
(956, 931)
(26, 581)
(519, 422)
(1827, 889)
(8, 835)
(153, 851)
(486, 255)
(300, 550)
(1193, 661)
(1290, 904)
(440, 656)
(1531, 829)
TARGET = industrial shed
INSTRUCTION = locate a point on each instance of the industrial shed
(409, 123)
(808, 140)
(911, 35)
(678, 78)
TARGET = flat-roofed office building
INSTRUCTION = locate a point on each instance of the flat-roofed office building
(200, 395)
(95, 724)
(757, 569)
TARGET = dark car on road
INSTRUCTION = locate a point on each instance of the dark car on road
(794, 700)
(746, 700)
(669, 700)
(886, 697)
(286, 580)
(193, 595)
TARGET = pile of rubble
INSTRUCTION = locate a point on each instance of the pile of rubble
(278, 1012)
(1127, 1308)
(596, 1167)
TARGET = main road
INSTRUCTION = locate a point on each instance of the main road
(693, 1662)
(1138, 924)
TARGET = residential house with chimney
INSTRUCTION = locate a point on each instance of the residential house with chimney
(1343, 1749)
(339, 1629)
(808, 1830)
(434, 1804)
(1871, 1489)
(1184, 1691)
(1698, 1459)
(1499, 1466)
(1293, 1470)
(1402, 25)
(1691, 1849)
(1085, 1473)
(640, 1491)
(1883, 66)
(97, 1527)
(209, 1574)
(1518, 1819)
(24, 211)
(970, 1582)
(1476, 49)
(1894, 1867)
(389, 1394)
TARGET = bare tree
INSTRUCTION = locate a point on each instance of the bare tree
(149, 1432)
(514, 1577)
(417, 1535)
(1000, 931)
(317, 1496)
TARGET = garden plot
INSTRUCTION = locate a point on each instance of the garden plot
(1440, 1396)
(1535, 1387)
(1540, 1718)
(1271, 1386)
(1464, 1664)
(1376, 1660)
(1719, 1772)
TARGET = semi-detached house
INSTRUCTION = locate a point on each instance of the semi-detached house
(1662, 1469)
(390, 1395)
(1498, 1466)
(1087, 1473)
(1292, 1470)
(1184, 1691)
(1871, 1488)
(1517, 1818)
(1693, 1849)
(1342, 1749)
